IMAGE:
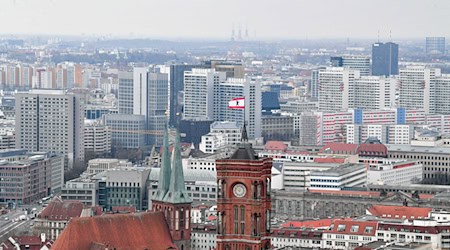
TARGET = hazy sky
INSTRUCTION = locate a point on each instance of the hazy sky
(275, 19)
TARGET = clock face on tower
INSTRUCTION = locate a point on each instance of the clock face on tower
(239, 190)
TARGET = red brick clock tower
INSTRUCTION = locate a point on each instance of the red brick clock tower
(243, 201)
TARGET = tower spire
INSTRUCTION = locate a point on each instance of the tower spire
(165, 170)
(177, 190)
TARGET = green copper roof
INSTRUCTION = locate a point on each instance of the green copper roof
(177, 191)
(165, 172)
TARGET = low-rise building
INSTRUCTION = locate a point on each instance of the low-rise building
(96, 166)
(349, 234)
(296, 238)
(55, 217)
(123, 187)
(340, 177)
(203, 236)
(82, 189)
(24, 181)
(392, 172)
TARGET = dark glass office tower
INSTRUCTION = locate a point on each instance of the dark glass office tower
(384, 59)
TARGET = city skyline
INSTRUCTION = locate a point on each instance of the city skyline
(263, 19)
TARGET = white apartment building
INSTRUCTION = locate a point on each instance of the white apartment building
(97, 137)
(373, 93)
(442, 94)
(51, 121)
(417, 86)
(334, 88)
(393, 172)
(394, 134)
(339, 177)
(199, 93)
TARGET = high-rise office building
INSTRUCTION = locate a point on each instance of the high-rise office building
(150, 99)
(232, 68)
(253, 108)
(334, 88)
(157, 109)
(199, 93)
(140, 91)
(125, 93)
(223, 93)
(51, 121)
(126, 130)
(435, 45)
(176, 79)
(418, 87)
(384, 59)
(314, 85)
(355, 62)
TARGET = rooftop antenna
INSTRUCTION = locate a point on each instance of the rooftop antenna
(240, 33)
(390, 35)
(232, 33)
(378, 37)
(246, 32)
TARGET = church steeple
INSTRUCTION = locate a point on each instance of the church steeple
(177, 191)
(165, 170)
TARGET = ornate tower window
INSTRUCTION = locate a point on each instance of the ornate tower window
(242, 220)
(236, 220)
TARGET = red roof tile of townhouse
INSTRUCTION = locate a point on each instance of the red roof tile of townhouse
(61, 210)
(378, 150)
(117, 231)
(400, 212)
(339, 148)
(324, 223)
(278, 146)
(354, 227)
(330, 160)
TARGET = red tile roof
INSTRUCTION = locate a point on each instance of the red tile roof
(61, 210)
(339, 148)
(117, 231)
(297, 233)
(324, 223)
(353, 227)
(123, 209)
(275, 146)
(372, 150)
(31, 242)
(401, 212)
(329, 160)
